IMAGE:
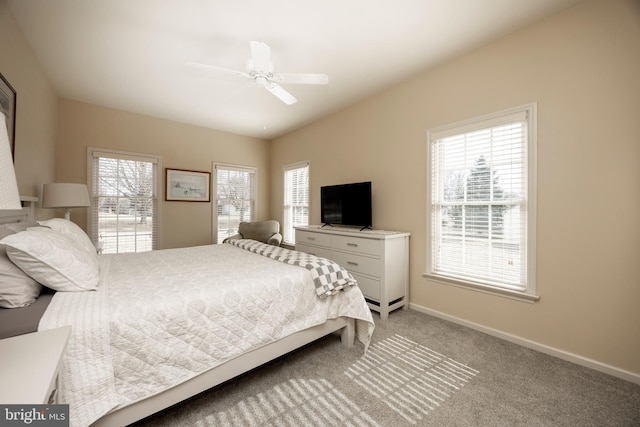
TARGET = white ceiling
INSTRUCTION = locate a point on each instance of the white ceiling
(131, 54)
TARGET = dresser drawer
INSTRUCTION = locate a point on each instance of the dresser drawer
(377, 259)
(358, 245)
(369, 287)
(310, 238)
(358, 263)
(314, 250)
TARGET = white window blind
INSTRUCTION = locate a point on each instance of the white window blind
(296, 199)
(480, 201)
(235, 199)
(124, 205)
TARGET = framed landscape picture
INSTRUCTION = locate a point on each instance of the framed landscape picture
(8, 107)
(187, 186)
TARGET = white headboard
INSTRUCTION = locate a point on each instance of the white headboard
(28, 212)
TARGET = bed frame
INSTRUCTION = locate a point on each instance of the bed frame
(215, 376)
(227, 371)
(27, 213)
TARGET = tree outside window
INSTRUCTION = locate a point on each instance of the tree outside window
(124, 214)
(481, 214)
(235, 199)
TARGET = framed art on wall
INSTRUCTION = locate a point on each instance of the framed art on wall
(8, 107)
(187, 186)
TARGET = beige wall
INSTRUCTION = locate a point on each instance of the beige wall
(181, 147)
(36, 109)
(582, 67)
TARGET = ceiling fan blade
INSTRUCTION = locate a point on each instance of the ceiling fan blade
(261, 56)
(306, 79)
(282, 94)
(217, 70)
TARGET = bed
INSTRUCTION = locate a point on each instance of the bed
(155, 328)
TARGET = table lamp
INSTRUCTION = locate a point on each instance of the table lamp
(9, 195)
(65, 195)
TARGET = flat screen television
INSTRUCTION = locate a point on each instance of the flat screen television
(346, 204)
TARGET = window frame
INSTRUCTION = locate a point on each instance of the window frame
(528, 293)
(95, 152)
(214, 186)
(288, 226)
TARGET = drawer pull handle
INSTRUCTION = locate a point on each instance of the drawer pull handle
(355, 245)
(352, 263)
(311, 238)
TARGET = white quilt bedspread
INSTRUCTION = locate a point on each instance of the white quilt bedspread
(160, 318)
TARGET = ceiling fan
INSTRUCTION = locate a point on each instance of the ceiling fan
(260, 69)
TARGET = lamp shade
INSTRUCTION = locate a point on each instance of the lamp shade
(9, 195)
(65, 195)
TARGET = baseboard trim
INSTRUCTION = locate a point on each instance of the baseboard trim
(542, 348)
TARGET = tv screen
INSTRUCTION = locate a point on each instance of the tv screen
(346, 204)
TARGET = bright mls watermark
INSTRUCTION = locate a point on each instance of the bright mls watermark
(34, 415)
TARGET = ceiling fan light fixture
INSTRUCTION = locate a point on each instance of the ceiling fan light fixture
(282, 94)
(260, 69)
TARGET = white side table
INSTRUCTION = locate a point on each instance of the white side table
(29, 366)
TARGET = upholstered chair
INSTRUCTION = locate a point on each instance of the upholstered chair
(262, 231)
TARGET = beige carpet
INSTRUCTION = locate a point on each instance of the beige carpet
(409, 378)
(419, 371)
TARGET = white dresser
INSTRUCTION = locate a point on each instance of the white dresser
(377, 259)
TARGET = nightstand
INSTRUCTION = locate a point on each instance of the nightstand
(29, 366)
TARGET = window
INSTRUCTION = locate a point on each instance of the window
(124, 205)
(296, 199)
(481, 213)
(235, 199)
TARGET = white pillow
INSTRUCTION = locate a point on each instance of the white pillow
(53, 259)
(16, 288)
(72, 230)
